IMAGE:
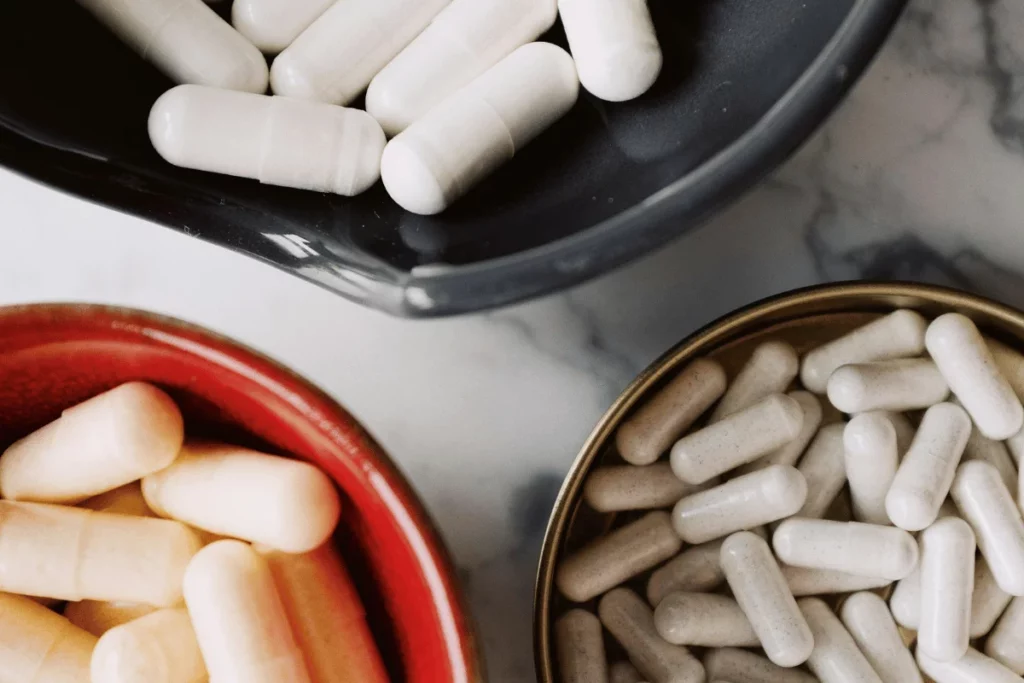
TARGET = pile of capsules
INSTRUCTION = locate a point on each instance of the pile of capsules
(459, 85)
(755, 493)
(109, 509)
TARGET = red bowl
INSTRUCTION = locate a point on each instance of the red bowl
(53, 356)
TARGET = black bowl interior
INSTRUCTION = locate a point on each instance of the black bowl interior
(744, 82)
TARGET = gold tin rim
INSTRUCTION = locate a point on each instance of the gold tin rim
(816, 300)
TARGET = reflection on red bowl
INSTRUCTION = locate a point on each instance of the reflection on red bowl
(53, 356)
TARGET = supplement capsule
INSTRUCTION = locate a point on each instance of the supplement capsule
(867, 619)
(852, 547)
(655, 426)
(987, 601)
(973, 667)
(741, 503)
(275, 140)
(618, 556)
(968, 366)
(110, 440)
(1015, 445)
(631, 623)
(632, 487)
(804, 581)
(703, 619)
(158, 648)
(904, 430)
(478, 128)
(1010, 363)
(695, 570)
(871, 457)
(897, 335)
(762, 594)
(741, 666)
(99, 617)
(579, 647)
(995, 453)
(790, 452)
(737, 439)
(282, 503)
(926, 473)
(273, 25)
(124, 500)
(902, 384)
(770, 370)
(824, 469)
(905, 601)
(186, 40)
(40, 646)
(623, 672)
(464, 40)
(239, 620)
(835, 658)
(1006, 642)
(947, 584)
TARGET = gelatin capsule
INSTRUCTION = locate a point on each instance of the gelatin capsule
(580, 648)
(124, 500)
(158, 648)
(973, 667)
(273, 25)
(804, 581)
(40, 646)
(703, 619)
(896, 385)
(852, 547)
(905, 601)
(790, 452)
(769, 370)
(987, 601)
(740, 666)
(995, 453)
(871, 456)
(633, 487)
(947, 584)
(695, 570)
(869, 622)
(824, 470)
(835, 658)
(1005, 643)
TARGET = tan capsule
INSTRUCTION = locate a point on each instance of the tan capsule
(868, 621)
(824, 469)
(741, 666)
(973, 667)
(947, 584)
(580, 648)
(1006, 642)
(703, 619)
(108, 441)
(804, 581)
(631, 623)
(987, 601)
(836, 658)
(852, 547)
(623, 672)
(279, 502)
(40, 646)
(870, 456)
(618, 556)
(654, 427)
(99, 617)
(995, 453)
(158, 648)
(769, 370)
(695, 570)
(73, 554)
(790, 452)
(240, 622)
(633, 487)
(897, 385)
(124, 500)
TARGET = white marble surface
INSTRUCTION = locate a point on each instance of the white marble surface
(920, 175)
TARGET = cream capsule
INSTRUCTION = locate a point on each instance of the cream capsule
(836, 658)
(995, 453)
(804, 581)
(478, 128)
(337, 56)
(927, 470)
(905, 601)
(631, 623)
(904, 430)
(464, 40)
(40, 646)
(98, 617)
(740, 666)
(897, 385)
(186, 40)
(124, 500)
(871, 456)
(965, 361)
(897, 335)
(617, 556)
(988, 600)
(769, 370)
(240, 622)
(947, 584)
(824, 469)
(790, 452)
(273, 25)
(762, 594)
(852, 547)
(72, 554)
(632, 487)
(275, 140)
(158, 648)
(108, 441)
(741, 503)
(1005, 643)
(580, 648)
(703, 619)
(867, 618)
(656, 424)
(623, 672)
(985, 503)
(282, 503)
(695, 570)
(973, 667)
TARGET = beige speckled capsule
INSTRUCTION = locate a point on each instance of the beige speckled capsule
(995, 453)
(870, 456)
(124, 500)
(737, 439)
(703, 619)
(789, 453)
(623, 672)
(836, 658)
(1006, 642)
(618, 556)
(741, 666)
(580, 648)
(741, 503)
(762, 593)
(804, 581)
(636, 487)
(695, 570)
(824, 469)
(901, 384)
(947, 584)
(853, 547)
(158, 648)
(973, 667)
(769, 370)
(40, 646)
(653, 428)
(99, 617)
(631, 623)
(867, 619)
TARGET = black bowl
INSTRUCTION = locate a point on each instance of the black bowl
(745, 81)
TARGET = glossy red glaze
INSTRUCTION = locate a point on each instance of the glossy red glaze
(53, 356)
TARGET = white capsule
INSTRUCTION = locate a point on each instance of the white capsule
(656, 424)
(741, 503)
(986, 504)
(1010, 363)
(186, 40)
(769, 370)
(580, 648)
(995, 453)
(871, 456)
(703, 619)
(852, 547)
(463, 41)
(741, 666)
(158, 648)
(631, 623)
(337, 56)
(926, 473)
(763, 595)
(737, 439)
(868, 621)
(824, 469)
(1015, 445)
(617, 556)
(973, 667)
(38, 645)
(968, 366)
(629, 487)
(897, 335)
(987, 601)
(904, 430)
(947, 584)
(901, 384)
(790, 452)
(695, 570)
(623, 672)
(905, 601)
(804, 581)
(1005, 643)
(273, 25)
(836, 658)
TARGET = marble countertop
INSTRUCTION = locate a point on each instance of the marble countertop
(918, 176)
